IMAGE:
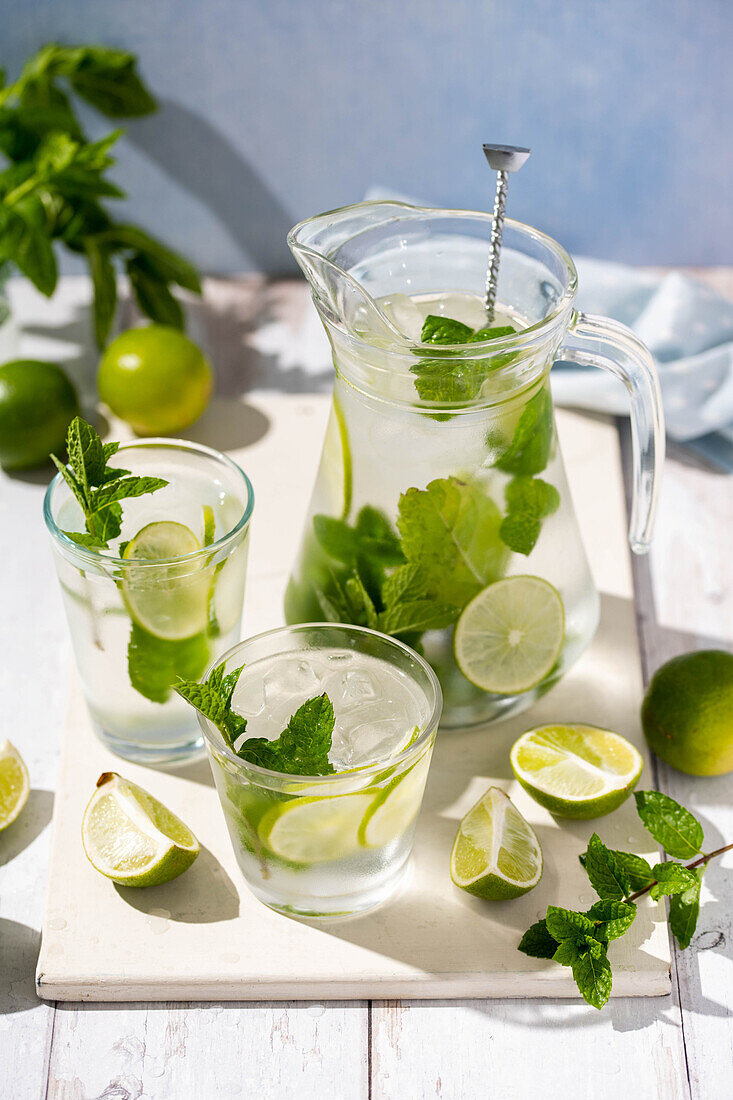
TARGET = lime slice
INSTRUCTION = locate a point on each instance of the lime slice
(132, 838)
(509, 637)
(496, 854)
(315, 830)
(395, 807)
(209, 525)
(14, 784)
(169, 601)
(336, 461)
(576, 771)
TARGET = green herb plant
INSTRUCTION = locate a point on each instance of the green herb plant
(54, 184)
(580, 939)
(301, 749)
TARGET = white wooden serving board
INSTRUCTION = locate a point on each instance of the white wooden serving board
(205, 937)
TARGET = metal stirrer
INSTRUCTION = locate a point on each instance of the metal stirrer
(503, 159)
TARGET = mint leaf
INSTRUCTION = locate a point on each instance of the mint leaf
(362, 603)
(537, 941)
(450, 533)
(529, 451)
(372, 537)
(607, 877)
(213, 699)
(684, 909)
(635, 868)
(672, 878)
(492, 332)
(301, 749)
(563, 924)
(672, 826)
(611, 918)
(344, 599)
(568, 952)
(303, 746)
(154, 664)
(529, 501)
(417, 616)
(443, 330)
(99, 488)
(593, 977)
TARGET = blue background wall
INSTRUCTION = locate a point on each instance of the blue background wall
(276, 109)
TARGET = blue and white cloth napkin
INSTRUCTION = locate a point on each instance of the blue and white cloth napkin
(688, 327)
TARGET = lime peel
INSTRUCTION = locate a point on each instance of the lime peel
(576, 771)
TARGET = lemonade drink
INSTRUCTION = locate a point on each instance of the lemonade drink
(162, 600)
(332, 844)
(468, 497)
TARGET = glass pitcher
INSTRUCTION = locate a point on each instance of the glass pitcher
(441, 512)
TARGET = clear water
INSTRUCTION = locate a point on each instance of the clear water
(103, 628)
(395, 446)
(377, 709)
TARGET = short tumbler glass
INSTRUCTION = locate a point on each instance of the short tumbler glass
(138, 624)
(334, 845)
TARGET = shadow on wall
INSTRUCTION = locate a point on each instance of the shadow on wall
(187, 147)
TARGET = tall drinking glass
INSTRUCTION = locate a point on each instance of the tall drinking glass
(138, 623)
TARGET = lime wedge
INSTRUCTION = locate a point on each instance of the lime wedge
(336, 461)
(315, 830)
(209, 525)
(496, 854)
(576, 771)
(509, 637)
(395, 807)
(169, 601)
(130, 837)
(14, 784)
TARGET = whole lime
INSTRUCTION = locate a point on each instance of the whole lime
(37, 404)
(155, 379)
(687, 713)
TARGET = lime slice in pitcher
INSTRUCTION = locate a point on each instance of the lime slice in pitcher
(172, 600)
(509, 637)
(336, 461)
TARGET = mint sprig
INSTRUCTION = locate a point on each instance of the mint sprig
(580, 939)
(97, 486)
(451, 379)
(301, 749)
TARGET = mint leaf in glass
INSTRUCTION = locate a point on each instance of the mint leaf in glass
(454, 380)
(443, 330)
(529, 451)
(450, 533)
(301, 749)
(155, 664)
(529, 500)
(675, 828)
(97, 486)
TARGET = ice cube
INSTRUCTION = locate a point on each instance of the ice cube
(368, 743)
(290, 677)
(249, 698)
(404, 315)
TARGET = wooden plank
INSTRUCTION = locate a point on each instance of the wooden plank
(203, 1051)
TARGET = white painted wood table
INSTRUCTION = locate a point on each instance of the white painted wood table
(263, 335)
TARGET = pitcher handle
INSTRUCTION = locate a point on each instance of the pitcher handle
(600, 342)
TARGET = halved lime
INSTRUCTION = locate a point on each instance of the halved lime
(132, 838)
(509, 637)
(14, 784)
(315, 830)
(576, 771)
(496, 854)
(395, 806)
(169, 601)
(336, 461)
